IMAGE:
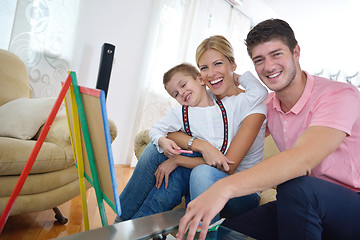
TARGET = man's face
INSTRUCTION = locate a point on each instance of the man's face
(275, 64)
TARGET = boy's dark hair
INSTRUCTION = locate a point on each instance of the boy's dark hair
(268, 30)
(185, 68)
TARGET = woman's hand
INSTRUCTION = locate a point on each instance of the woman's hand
(202, 209)
(163, 172)
(213, 157)
(169, 146)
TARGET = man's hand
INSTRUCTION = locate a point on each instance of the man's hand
(163, 172)
(169, 146)
(203, 208)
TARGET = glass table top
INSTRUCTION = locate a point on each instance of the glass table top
(150, 227)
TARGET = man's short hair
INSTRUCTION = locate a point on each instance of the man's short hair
(268, 30)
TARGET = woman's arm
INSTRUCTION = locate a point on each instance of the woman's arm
(238, 148)
(211, 155)
(244, 139)
(180, 138)
(255, 94)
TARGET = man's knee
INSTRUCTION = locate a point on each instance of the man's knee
(296, 189)
(288, 185)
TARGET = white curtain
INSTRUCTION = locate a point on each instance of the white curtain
(179, 27)
(7, 15)
(43, 36)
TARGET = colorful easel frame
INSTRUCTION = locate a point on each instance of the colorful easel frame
(77, 150)
(92, 146)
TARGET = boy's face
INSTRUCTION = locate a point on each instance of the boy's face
(275, 64)
(186, 90)
(217, 72)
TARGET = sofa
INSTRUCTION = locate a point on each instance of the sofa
(270, 149)
(53, 179)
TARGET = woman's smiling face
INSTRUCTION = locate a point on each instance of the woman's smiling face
(217, 72)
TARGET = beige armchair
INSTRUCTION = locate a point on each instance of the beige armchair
(53, 179)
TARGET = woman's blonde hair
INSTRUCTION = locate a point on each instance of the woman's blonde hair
(218, 43)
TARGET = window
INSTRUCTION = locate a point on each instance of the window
(179, 27)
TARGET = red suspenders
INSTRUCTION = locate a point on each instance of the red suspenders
(186, 120)
(224, 116)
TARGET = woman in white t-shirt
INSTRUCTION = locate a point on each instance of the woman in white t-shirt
(144, 194)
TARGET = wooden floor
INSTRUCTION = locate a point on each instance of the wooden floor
(43, 225)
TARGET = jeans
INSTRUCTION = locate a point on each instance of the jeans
(203, 176)
(306, 208)
(140, 197)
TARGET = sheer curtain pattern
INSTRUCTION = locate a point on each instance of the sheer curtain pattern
(181, 25)
(167, 51)
(43, 36)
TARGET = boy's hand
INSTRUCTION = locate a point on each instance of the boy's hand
(236, 79)
(163, 172)
(169, 146)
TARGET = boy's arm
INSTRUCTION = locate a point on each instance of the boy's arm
(169, 123)
(254, 89)
(169, 147)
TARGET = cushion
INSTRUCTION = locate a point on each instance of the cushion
(21, 118)
(59, 133)
(14, 80)
(140, 142)
(14, 154)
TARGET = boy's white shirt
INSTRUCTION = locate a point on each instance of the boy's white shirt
(206, 123)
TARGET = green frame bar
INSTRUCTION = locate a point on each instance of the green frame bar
(89, 150)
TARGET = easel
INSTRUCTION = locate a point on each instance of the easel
(79, 143)
(97, 167)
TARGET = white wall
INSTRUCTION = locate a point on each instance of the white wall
(124, 24)
(327, 32)
(319, 27)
